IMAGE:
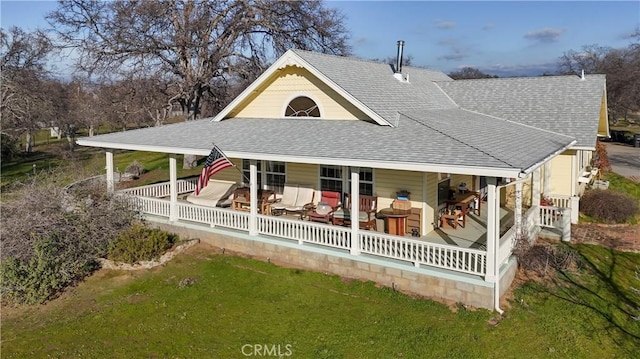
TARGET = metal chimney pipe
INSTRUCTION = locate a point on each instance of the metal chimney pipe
(399, 57)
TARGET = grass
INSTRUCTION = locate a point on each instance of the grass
(236, 301)
(622, 184)
(92, 160)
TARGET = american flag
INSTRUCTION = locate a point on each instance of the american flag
(216, 162)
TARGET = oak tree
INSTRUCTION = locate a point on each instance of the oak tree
(25, 104)
(202, 47)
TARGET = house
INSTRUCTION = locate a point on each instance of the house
(366, 128)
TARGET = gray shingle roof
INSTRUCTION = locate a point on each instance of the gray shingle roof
(373, 84)
(421, 138)
(563, 104)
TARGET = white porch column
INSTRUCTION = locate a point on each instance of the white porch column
(109, 168)
(518, 209)
(547, 179)
(575, 207)
(493, 215)
(423, 217)
(355, 210)
(574, 174)
(535, 194)
(253, 198)
(173, 187)
(263, 174)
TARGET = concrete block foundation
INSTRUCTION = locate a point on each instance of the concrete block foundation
(438, 284)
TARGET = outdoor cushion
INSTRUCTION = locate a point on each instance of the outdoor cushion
(362, 216)
(289, 197)
(303, 199)
(216, 193)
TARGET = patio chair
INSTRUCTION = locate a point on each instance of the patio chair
(304, 201)
(328, 198)
(367, 208)
(288, 199)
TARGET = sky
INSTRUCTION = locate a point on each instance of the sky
(505, 38)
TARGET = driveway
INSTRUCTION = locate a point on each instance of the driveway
(624, 159)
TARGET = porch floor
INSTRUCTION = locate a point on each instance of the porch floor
(474, 234)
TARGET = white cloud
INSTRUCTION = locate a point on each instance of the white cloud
(545, 35)
(445, 25)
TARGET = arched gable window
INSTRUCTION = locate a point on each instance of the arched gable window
(302, 107)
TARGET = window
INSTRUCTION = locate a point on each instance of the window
(246, 175)
(275, 174)
(302, 107)
(366, 181)
(333, 178)
(276, 177)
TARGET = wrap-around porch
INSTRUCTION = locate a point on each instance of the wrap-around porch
(461, 250)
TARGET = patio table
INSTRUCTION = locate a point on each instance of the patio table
(396, 220)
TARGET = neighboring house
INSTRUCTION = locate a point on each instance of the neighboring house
(359, 127)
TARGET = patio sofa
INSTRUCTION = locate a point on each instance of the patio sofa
(217, 193)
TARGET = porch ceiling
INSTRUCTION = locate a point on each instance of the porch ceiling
(429, 141)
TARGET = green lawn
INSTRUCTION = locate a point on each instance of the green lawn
(237, 301)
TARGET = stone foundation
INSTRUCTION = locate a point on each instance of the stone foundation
(442, 285)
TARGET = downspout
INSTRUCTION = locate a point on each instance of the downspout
(496, 265)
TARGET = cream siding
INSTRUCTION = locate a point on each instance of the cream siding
(510, 194)
(231, 174)
(432, 201)
(561, 173)
(603, 123)
(388, 182)
(456, 179)
(270, 100)
(302, 173)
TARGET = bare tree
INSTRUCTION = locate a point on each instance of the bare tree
(84, 105)
(25, 106)
(622, 67)
(202, 46)
(470, 73)
(589, 59)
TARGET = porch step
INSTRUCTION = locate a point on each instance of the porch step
(550, 233)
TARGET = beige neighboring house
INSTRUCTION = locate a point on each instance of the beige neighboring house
(366, 128)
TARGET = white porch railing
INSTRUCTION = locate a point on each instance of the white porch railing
(154, 206)
(466, 260)
(303, 231)
(509, 239)
(560, 200)
(213, 216)
(550, 216)
(506, 245)
(159, 190)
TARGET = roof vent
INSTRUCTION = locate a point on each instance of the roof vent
(582, 77)
(398, 68)
(399, 57)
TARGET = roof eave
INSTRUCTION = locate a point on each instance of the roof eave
(538, 164)
(392, 165)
